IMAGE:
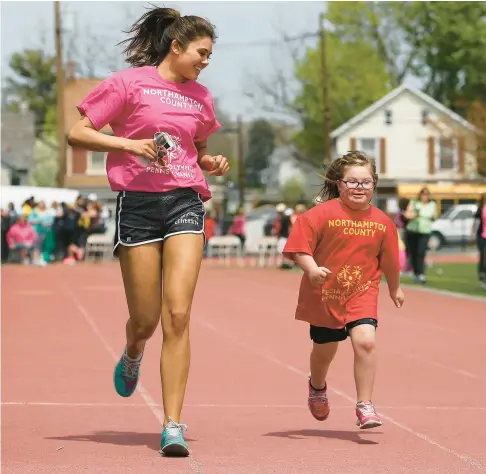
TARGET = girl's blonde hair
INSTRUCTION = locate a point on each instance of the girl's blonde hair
(335, 172)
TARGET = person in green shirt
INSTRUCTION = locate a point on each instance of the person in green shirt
(42, 220)
(421, 213)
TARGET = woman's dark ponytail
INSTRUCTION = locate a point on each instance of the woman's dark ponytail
(149, 43)
(153, 33)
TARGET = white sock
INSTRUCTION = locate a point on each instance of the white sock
(138, 359)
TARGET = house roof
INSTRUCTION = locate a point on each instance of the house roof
(75, 90)
(392, 95)
(18, 139)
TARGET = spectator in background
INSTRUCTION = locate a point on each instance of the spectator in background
(401, 223)
(41, 220)
(105, 214)
(283, 235)
(12, 213)
(280, 208)
(54, 209)
(5, 225)
(80, 203)
(96, 221)
(210, 225)
(237, 226)
(21, 237)
(480, 222)
(28, 205)
(299, 209)
(421, 213)
(69, 234)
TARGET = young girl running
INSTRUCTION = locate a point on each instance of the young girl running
(161, 118)
(343, 245)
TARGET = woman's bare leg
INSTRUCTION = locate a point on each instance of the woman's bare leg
(182, 257)
(141, 268)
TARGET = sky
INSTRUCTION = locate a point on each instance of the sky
(249, 47)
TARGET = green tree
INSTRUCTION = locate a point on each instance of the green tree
(442, 43)
(293, 191)
(50, 123)
(33, 83)
(477, 115)
(450, 42)
(353, 85)
(46, 165)
(261, 143)
(379, 25)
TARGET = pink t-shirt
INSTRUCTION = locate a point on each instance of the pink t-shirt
(483, 233)
(137, 103)
(21, 234)
(239, 225)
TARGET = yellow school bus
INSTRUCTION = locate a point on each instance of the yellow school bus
(446, 194)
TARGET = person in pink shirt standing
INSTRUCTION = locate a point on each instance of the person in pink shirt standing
(238, 226)
(161, 118)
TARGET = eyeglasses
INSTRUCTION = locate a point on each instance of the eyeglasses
(355, 184)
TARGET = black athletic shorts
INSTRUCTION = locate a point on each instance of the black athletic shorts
(143, 217)
(321, 335)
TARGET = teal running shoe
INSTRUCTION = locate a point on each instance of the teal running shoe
(172, 442)
(126, 375)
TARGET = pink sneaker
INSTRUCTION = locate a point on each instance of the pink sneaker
(367, 417)
(318, 403)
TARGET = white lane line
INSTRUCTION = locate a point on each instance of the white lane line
(232, 406)
(195, 465)
(463, 457)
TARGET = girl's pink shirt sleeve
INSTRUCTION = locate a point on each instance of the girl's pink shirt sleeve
(211, 125)
(106, 102)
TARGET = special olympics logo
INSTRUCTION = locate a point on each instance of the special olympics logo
(349, 276)
(164, 160)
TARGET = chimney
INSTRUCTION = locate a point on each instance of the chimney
(70, 70)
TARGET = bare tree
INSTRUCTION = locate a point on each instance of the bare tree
(275, 92)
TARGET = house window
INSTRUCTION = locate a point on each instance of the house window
(388, 117)
(96, 162)
(447, 154)
(371, 146)
(425, 117)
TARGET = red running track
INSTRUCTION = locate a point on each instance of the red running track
(63, 329)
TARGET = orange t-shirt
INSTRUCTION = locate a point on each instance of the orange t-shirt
(351, 244)
(209, 226)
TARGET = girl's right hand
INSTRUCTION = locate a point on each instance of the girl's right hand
(318, 275)
(144, 148)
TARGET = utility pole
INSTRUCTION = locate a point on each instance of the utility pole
(325, 98)
(241, 164)
(60, 96)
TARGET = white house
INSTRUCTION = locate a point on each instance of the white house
(6, 174)
(412, 136)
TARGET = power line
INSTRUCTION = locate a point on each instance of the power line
(285, 39)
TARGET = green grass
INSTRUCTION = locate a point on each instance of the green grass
(457, 277)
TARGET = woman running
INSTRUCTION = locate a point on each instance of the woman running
(161, 118)
(343, 245)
